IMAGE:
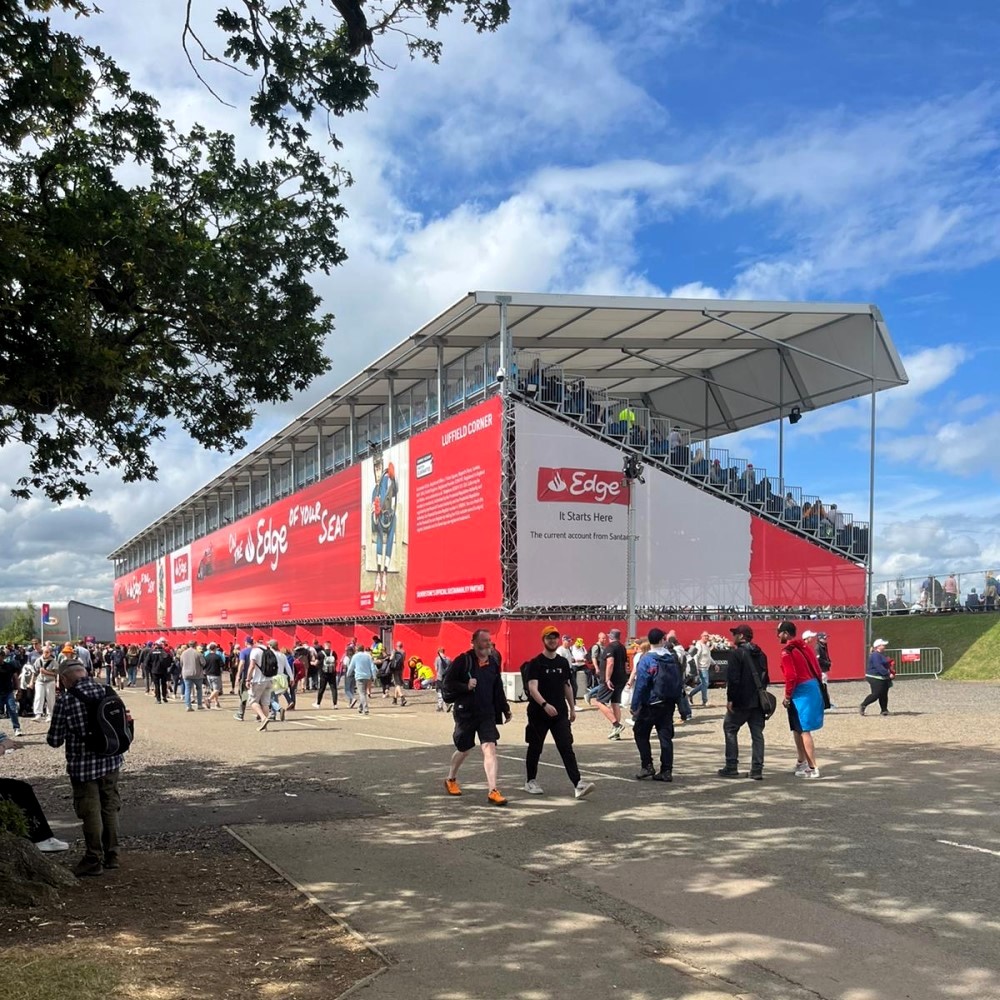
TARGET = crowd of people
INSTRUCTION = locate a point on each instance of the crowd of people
(651, 681)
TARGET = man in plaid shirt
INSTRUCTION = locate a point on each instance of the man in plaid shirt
(94, 777)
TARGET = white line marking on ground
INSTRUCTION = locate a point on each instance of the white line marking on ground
(583, 770)
(397, 739)
(970, 847)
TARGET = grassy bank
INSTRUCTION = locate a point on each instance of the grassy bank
(970, 643)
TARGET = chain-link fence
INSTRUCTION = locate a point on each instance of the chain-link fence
(975, 590)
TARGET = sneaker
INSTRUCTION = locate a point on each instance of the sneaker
(281, 715)
(451, 786)
(616, 731)
(111, 861)
(861, 709)
(496, 798)
(201, 708)
(800, 766)
(394, 701)
(365, 712)
(663, 776)
(533, 787)
(814, 773)
(238, 716)
(883, 713)
(587, 698)
(263, 726)
(190, 709)
(728, 772)
(645, 772)
(757, 775)
(402, 702)
(51, 845)
(583, 789)
(18, 734)
(315, 704)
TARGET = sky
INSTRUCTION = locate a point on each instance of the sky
(818, 150)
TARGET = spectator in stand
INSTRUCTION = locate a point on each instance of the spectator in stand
(950, 589)
(792, 512)
(878, 673)
(973, 602)
(803, 697)
(990, 594)
(699, 464)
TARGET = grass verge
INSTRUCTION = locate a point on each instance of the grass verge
(969, 643)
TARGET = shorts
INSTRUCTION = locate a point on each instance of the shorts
(619, 683)
(793, 718)
(214, 684)
(397, 677)
(467, 729)
(260, 694)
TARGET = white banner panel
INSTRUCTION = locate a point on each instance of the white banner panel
(692, 549)
(180, 587)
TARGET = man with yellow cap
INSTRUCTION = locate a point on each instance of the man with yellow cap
(551, 709)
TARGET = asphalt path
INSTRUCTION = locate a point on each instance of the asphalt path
(880, 881)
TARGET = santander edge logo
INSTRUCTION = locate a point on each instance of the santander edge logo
(581, 486)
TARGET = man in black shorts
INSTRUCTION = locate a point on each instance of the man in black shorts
(472, 684)
(551, 710)
(614, 674)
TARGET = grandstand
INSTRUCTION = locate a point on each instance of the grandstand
(658, 379)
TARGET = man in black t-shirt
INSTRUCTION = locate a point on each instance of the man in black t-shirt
(473, 686)
(551, 710)
(612, 673)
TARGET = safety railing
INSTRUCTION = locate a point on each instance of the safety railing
(927, 661)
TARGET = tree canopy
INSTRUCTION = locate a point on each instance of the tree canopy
(149, 272)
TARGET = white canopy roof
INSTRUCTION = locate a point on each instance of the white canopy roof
(712, 366)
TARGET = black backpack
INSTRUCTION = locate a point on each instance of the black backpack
(269, 663)
(110, 729)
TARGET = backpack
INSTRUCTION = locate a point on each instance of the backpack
(110, 729)
(667, 681)
(269, 663)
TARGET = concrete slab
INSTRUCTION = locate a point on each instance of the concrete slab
(460, 925)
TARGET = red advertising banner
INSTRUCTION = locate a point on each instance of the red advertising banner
(411, 529)
(454, 513)
(135, 599)
(297, 558)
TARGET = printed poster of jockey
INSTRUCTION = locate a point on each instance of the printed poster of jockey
(385, 502)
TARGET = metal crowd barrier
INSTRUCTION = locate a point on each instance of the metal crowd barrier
(930, 663)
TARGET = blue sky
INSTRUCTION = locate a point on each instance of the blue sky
(785, 149)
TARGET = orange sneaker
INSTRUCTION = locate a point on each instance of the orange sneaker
(495, 798)
(451, 786)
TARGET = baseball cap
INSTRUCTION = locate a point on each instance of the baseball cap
(655, 636)
(809, 634)
(549, 630)
(743, 630)
(248, 638)
(880, 642)
(567, 638)
(788, 628)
